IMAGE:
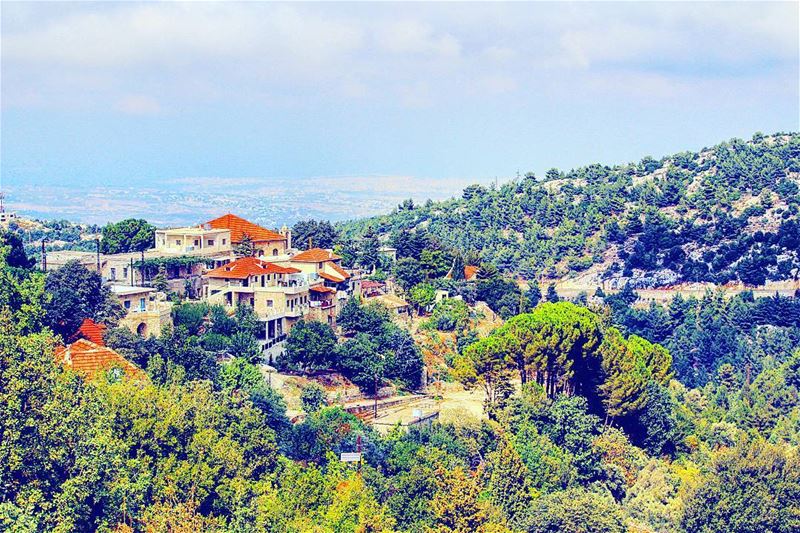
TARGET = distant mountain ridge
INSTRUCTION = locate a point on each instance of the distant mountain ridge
(728, 213)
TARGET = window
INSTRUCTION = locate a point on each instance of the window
(269, 303)
(178, 242)
(141, 304)
(224, 241)
(196, 242)
(274, 251)
(320, 265)
(211, 242)
(127, 304)
(125, 272)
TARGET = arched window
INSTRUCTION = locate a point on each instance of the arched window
(274, 251)
(141, 330)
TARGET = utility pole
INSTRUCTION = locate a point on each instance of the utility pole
(375, 414)
(132, 278)
(141, 270)
(44, 256)
(99, 273)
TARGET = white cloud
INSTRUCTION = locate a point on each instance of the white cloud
(185, 54)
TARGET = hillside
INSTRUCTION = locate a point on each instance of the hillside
(728, 213)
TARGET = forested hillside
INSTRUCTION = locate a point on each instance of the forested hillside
(725, 213)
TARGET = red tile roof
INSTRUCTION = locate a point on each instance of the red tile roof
(248, 266)
(339, 270)
(315, 255)
(239, 227)
(369, 284)
(321, 288)
(88, 358)
(469, 273)
(325, 275)
(90, 330)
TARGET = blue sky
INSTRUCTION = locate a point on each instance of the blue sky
(125, 93)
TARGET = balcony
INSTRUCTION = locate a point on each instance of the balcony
(297, 312)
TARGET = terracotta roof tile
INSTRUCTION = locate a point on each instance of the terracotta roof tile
(90, 330)
(315, 255)
(321, 288)
(85, 357)
(339, 270)
(335, 279)
(239, 227)
(470, 272)
(246, 267)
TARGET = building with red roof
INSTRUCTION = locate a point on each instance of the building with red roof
(91, 331)
(278, 294)
(90, 359)
(265, 241)
(320, 263)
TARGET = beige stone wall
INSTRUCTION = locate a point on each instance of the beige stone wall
(270, 249)
(149, 322)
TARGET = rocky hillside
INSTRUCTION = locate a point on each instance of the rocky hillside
(725, 214)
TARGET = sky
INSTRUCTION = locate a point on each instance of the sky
(103, 93)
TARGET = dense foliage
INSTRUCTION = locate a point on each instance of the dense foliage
(725, 213)
(129, 235)
(600, 415)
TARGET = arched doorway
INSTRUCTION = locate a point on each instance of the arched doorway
(141, 330)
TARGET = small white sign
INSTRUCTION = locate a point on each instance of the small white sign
(350, 457)
(417, 413)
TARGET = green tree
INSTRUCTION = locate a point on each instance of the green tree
(509, 484)
(368, 256)
(408, 272)
(357, 318)
(752, 487)
(15, 255)
(76, 293)
(321, 234)
(310, 345)
(245, 248)
(484, 363)
(552, 295)
(422, 296)
(575, 510)
(312, 397)
(160, 281)
(129, 235)
(190, 315)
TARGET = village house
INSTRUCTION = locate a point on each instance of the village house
(398, 308)
(369, 288)
(279, 295)
(90, 359)
(266, 243)
(145, 314)
(322, 266)
(91, 331)
(197, 240)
